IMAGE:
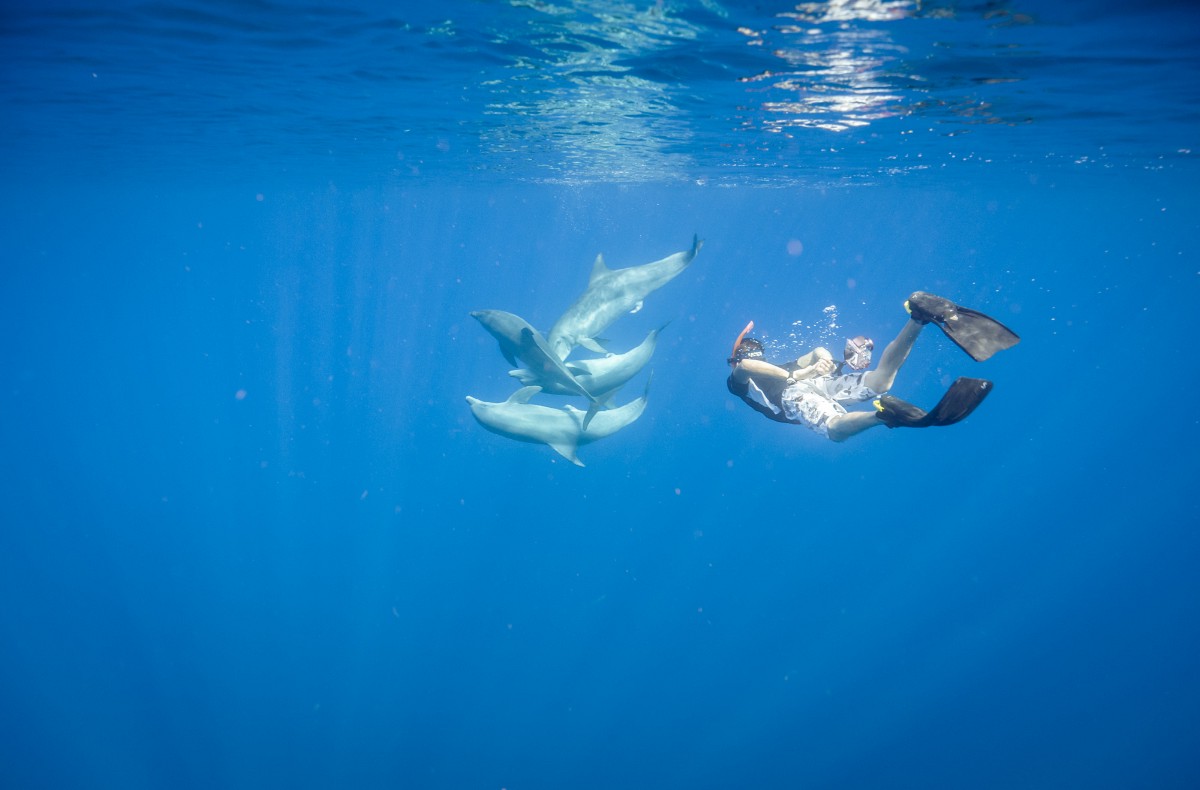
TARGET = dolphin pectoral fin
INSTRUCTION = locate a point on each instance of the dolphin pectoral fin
(636, 307)
(523, 395)
(567, 451)
(529, 340)
(535, 340)
(591, 345)
(550, 364)
(524, 376)
(591, 412)
(598, 270)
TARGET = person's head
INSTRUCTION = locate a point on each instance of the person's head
(858, 352)
(747, 348)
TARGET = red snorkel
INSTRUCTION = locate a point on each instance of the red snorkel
(733, 355)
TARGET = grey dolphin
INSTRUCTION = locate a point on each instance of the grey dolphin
(562, 429)
(519, 340)
(610, 293)
(600, 376)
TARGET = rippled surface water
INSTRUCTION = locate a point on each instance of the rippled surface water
(852, 91)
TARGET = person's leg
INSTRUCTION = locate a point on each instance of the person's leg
(843, 426)
(881, 378)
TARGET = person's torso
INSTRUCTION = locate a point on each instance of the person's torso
(763, 394)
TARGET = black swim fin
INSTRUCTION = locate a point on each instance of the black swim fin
(956, 405)
(977, 334)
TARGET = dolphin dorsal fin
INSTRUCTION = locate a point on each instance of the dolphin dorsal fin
(523, 395)
(598, 269)
(580, 416)
(567, 450)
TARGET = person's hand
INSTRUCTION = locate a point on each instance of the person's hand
(822, 367)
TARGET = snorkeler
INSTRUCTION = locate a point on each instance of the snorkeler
(811, 390)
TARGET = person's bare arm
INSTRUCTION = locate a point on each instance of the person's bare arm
(758, 369)
(821, 365)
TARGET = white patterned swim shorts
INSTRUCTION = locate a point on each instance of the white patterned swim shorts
(813, 402)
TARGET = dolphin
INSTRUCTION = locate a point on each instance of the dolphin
(562, 429)
(602, 376)
(610, 293)
(519, 340)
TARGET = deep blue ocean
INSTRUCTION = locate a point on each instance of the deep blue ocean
(252, 537)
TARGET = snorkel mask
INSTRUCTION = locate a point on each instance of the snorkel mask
(858, 352)
(753, 349)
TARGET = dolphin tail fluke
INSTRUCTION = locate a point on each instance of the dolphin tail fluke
(697, 243)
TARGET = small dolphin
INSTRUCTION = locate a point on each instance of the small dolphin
(610, 293)
(602, 376)
(519, 340)
(562, 429)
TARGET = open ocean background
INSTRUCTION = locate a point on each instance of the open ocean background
(251, 536)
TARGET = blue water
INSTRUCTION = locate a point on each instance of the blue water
(252, 536)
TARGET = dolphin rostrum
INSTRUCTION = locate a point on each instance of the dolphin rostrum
(610, 293)
(562, 429)
(519, 340)
(601, 376)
